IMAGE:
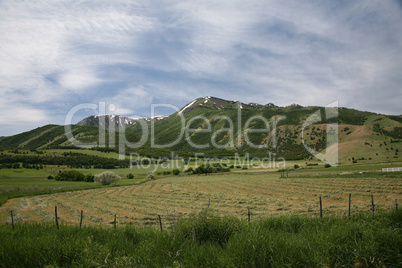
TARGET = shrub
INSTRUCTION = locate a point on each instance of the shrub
(214, 168)
(190, 169)
(89, 178)
(50, 177)
(130, 176)
(176, 172)
(71, 175)
(106, 178)
(151, 176)
(327, 166)
(296, 166)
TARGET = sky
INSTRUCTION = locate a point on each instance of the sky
(57, 56)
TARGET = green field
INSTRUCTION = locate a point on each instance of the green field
(207, 240)
(266, 194)
(204, 218)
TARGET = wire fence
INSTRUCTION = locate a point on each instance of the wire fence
(166, 221)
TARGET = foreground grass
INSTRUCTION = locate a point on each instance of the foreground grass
(211, 241)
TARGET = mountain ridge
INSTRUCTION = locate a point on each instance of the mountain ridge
(119, 121)
(227, 124)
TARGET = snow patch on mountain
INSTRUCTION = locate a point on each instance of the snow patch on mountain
(185, 107)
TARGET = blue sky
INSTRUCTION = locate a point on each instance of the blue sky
(55, 55)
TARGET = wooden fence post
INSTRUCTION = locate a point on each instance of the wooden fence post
(209, 203)
(55, 215)
(160, 222)
(114, 222)
(249, 216)
(12, 218)
(81, 218)
(372, 204)
(320, 207)
(350, 201)
(192, 225)
(396, 204)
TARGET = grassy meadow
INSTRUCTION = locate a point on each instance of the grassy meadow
(204, 217)
(139, 202)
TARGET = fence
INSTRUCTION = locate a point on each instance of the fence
(398, 169)
(158, 218)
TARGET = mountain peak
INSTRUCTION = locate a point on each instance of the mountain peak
(106, 120)
(208, 102)
(118, 120)
(215, 103)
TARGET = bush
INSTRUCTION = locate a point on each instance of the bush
(176, 172)
(89, 178)
(151, 176)
(214, 168)
(327, 166)
(190, 169)
(130, 176)
(50, 177)
(106, 178)
(71, 175)
(296, 166)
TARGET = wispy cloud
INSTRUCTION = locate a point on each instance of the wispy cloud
(56, 54)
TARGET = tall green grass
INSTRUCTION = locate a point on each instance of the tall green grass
(211, 241)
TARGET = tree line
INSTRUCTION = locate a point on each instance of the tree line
(75, 160)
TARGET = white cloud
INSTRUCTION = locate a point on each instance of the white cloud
(134, 53)
(78, 81)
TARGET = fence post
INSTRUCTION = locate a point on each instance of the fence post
(114, 222)
(396, 204)
(160, 222)
(81, 218)
(12, 218)
(55, 215)
(372, 204)
(193, 232)
(209, 203)
(320, 207)
(350, 201)
(249, 215)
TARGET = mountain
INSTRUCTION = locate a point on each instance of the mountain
(48, 136)
(220, 104)
(227, 127)
(105, 121)
(216, 127)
